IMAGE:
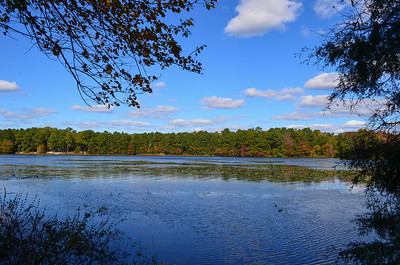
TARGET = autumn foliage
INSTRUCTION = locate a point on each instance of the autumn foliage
(275, 142)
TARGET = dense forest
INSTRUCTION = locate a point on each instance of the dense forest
(276, 142)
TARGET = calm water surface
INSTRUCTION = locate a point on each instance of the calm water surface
(204, 210)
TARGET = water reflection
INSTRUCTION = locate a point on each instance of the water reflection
(383, 221)
(206, 169)
(203, 210)
(378, 161)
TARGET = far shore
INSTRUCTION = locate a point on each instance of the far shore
(158, 154)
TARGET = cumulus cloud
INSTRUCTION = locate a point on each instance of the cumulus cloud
(196, 122)
(128, 123)
(97, 108)
(257, 17)
(156, 112)
(324, 81)
(313, 101)
(316, 126)
(337, 131)
(329, 127)
(329, 8)
(252, 92)
(323, 127)
(230, 127)
(7, 125)
(221, 103)
(159, 84)
(27, 114)
(6, 86)
(346, 108)
(84, 125)
(354, 124)
(285, 94)
(296, 116)
(362, 108)
(190, 123)
(348, 126)
(296, 126)
(114, 123)
(210, 129)
(239, 117)
(289, 94)
(42, 111)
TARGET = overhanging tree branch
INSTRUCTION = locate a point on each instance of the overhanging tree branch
(107, 46)
(365, 50)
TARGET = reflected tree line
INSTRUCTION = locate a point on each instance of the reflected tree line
(378, 161)
(275, 142)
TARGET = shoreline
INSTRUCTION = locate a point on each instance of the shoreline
(160, 154)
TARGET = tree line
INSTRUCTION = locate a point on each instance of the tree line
(275, 142)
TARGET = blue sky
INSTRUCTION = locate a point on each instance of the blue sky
(251, 78)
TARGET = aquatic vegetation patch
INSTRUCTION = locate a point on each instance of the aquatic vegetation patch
(196, 171)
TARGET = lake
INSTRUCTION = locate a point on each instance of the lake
(204, 210)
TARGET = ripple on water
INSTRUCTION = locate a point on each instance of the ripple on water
(209, 217)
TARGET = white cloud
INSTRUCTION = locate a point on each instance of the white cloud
(323, 127)
(284, 94)
(329, 8)
(257, 17)
(346, 108)
(195, 122)
(6, 86)
(296, 126)
(363, 108)
(338, 131)
(155, 112)
(219, 120)
(128, 123)
(42, 111)
(159, 84)
(27, 114)
(313, 101)
(190, 123)
(296, 116)
(7, 125)
(350, 125)
(288, 94)
(230, 127)
(324, 81)
(221, 103)
(252, 92)
(84, 125)
(114, 123)
(354, 124)
(315, 126)
(167, 127)
(97, 108)
(239, 117)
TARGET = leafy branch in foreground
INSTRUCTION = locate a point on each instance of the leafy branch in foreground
(365, 50)
(29, 236)
(107, 46)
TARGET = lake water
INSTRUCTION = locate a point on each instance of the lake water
(204, 210)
